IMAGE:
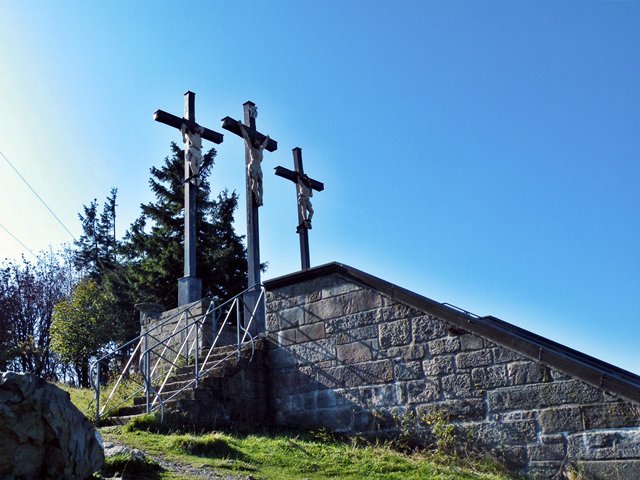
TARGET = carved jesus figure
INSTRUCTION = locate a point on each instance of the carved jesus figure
(305, 192)
(192, 137)
(254, 168)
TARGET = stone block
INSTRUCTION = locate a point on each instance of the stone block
(327, 398)
(397, 311)
(382, 396)
(314, 331)
(542, 395)
(348, 397)
(312, 297)
(549, 448)
(470, 342)
(282, 357)
(348, 304)
(290, 317)
(556, 375)
(477, 358)
(355, 334)
(454, 410)
(604, 445)
(371, 373)
(338, 286)
(356, 352)
(457, 386)
(427, 327)
(396, 333)
(493, 433)
(444, 345)
(504, 355)
(611, 415)
(613, 469)
(314, 352)
(485, 378)
(284, 338)
(521, 373)
(413, 351)
(513, 457)
(441, 365)
(272, 322)
(423, 391)
(339, 420)
(403, 371)
(560, 419)
(349, 322)
(294, 380)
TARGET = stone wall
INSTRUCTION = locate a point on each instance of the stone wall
(347, 357)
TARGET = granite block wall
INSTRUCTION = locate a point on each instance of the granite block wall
(348, 358)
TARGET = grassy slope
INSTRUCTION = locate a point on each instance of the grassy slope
(289, 455)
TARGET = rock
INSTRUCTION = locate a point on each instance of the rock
(42, 434)
(112, 449)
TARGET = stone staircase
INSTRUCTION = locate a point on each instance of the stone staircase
(231, 393)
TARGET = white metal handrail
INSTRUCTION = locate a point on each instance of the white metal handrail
(160, 357)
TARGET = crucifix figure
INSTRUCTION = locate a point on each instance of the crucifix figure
(304, 189)
(192, 138)
(254, 167)
(255, 143)
(189, 286)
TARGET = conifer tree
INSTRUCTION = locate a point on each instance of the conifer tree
(154, 244)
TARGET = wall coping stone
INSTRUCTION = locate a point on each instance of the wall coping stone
(593, 371)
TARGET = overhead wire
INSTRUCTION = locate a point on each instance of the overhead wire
(17, 240)
(39, 198)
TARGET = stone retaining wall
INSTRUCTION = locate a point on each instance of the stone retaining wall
(346, 357)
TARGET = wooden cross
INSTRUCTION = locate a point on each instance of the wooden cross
(189, 287)
(304, 190)
(247, 130)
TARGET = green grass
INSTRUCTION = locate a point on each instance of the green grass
(83, 398)
(283, 455)
(297, 456)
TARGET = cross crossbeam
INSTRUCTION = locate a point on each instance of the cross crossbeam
(304, 189)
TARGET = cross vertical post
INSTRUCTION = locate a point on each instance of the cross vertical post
(304, 189)
(189, 286)
(255, 143)
(253, 220)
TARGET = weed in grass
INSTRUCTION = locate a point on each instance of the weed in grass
(131, 465)
(149, 422)
(211, 445)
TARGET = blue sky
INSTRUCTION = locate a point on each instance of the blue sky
(483, 153)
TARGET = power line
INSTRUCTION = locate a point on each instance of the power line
(17, 239)
(39, 197)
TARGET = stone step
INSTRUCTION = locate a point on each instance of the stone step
(184, 375)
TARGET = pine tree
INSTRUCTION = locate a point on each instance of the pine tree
(154, 244)
(96, 250)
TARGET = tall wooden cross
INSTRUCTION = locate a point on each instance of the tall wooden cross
(189, 286)
(304, 190)
(255, 142)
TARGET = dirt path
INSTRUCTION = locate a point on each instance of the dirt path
(204, 472)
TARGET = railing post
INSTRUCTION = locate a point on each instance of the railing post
(197, 352)
(97, 392)
(186, 337)
(238, 338)
(147, 372)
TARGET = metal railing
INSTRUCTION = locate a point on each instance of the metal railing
(158, 355)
